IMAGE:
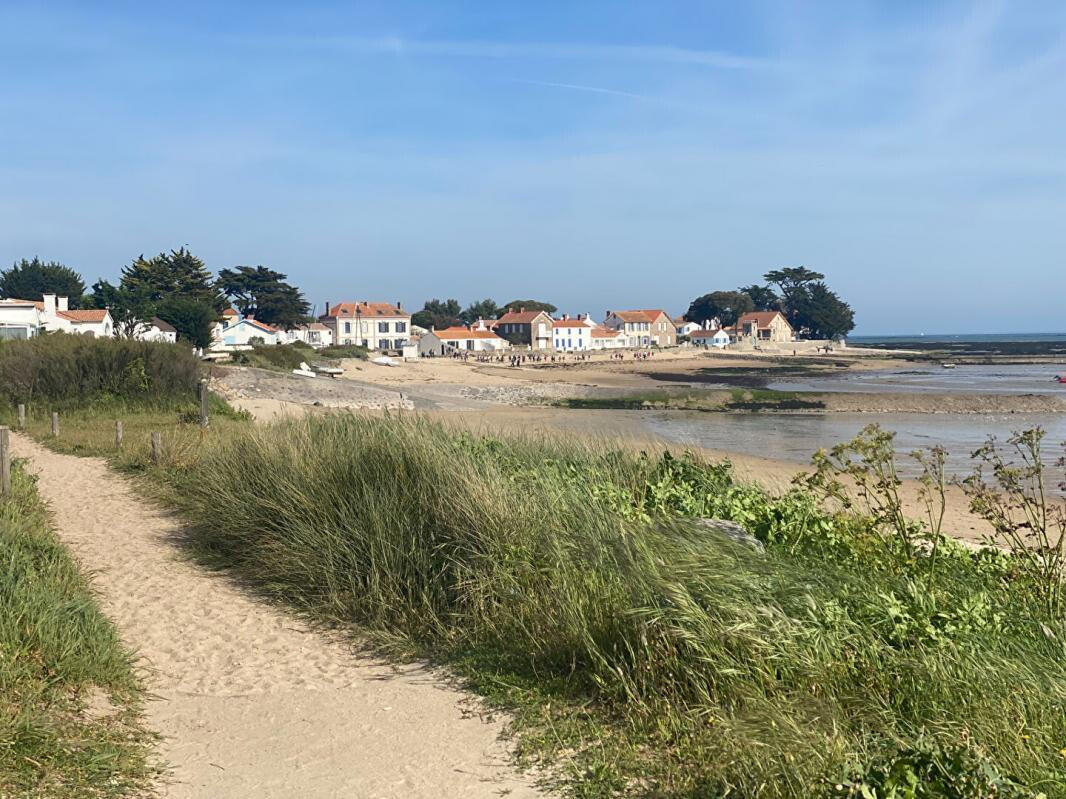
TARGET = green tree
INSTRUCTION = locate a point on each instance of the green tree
(31, 280)
(481, 309)
(438, 314)
(178, 273)
(128, 306)
(264, 294)
(193, 320)
(823, 314)
(793, 282)
(725, 306)
(530, 305)
(763, 298)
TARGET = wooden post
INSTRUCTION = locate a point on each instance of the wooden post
(55, 423)
(5, 463)
(157, 447)
(205, 395)
(118, 434)
(22, 416)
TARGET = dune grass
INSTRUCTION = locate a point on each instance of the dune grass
(70, 722)
(640, 653)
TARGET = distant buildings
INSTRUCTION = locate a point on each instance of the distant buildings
(374, 325)
(452, 340)
(573, 333)
(531, 329)
(26, 318)
(643, 328)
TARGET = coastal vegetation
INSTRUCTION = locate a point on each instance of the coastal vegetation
(737, 399)
(811, 307)
(641, 651)
(70, 724)
(32, 279)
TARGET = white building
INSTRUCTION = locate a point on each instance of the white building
(316, 335)
(712, 338)
(242, 333)
(155, 330)
(374, 325)
(606, 338)
(572, 334)
(19, 319)
(686, 328)
(476, 338)
(56, 315)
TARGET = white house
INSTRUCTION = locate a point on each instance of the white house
(572, 334)
(374, 325)
(686, 328)
(19, 319)
(155, 330)
(315, 334)
(711, 338)
(243, 333)
(476, 338)
(606, 338)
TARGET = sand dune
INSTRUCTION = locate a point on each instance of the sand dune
(250, 702)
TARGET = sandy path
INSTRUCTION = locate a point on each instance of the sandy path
(249, 701)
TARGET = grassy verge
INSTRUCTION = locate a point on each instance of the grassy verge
(640, 653)
(737, 399)
(69, 701)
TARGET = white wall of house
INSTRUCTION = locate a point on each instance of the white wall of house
(316, 335)
(19, 319)
(241, 333)
(572, 334)
(446, 342)
(149, 331)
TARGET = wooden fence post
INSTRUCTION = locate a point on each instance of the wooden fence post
(5, 463)
(118, 434)
(55, 423)
(157, 446)
(205, 396)
(22, 416)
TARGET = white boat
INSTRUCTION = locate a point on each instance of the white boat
(948, 365)
(303, 371)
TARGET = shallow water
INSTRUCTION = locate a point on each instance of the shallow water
(795, 437)
(977, 379)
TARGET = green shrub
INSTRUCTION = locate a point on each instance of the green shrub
(62, 370)
(645, 652)
(344, 351)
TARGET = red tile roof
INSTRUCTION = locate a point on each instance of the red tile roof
(91, 315)
(642, 315)
(761, 318)
(347, 309)
(230, 312)
(520, 317)
(604, 332)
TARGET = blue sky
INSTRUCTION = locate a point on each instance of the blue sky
(596, 154)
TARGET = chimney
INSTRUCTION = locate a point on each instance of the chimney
(521, 309)
(566, 316)
(327, 310)
(61, 303)
(49, 305)
(399, 305)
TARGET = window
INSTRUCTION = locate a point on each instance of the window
(347, 327)
(401, 327)
(470, 343)
(383, 327)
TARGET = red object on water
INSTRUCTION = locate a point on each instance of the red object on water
(1061, 378)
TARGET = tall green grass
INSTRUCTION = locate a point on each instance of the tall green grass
(642, 654)
(59, 654)
(58, 371)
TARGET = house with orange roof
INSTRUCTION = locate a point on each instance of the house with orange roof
(765, 326)
(644, 327)
(55, 314)
(374, 325)
(235, 333)
(19, 319)
(451, 340)
(531, 329)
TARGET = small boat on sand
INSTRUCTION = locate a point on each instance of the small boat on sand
(948, 365)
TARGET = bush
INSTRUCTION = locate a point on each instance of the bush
(284, 357)
(60, 370)
(344, 351)
(645, 651)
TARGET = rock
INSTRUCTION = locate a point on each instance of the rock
(733, 531)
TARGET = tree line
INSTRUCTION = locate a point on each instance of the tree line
(802, 295)
(440, 314)
(176, 287)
